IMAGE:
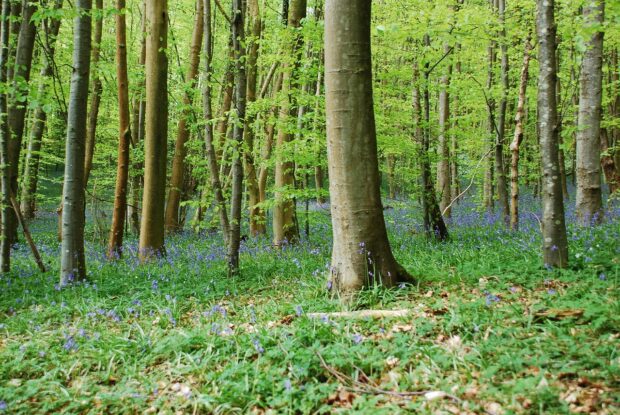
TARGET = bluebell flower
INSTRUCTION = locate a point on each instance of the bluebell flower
(357, 338)
(259, 348)
(492, 298)
(299, 311)
(602, 276)
(70, 344)
(3, 406)
(287, 384)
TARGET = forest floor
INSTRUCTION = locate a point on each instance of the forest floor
(491, 330)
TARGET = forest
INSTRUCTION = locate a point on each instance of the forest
(310, 207)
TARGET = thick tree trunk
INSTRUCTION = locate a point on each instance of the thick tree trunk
(443, 150)
(95, 94)
(5, 213)
(33, 156)
(257, 214)
(589, 200)
(72, 260)
(555, 245)
(361, 252)
(518, 137)
(156, 131)
(285, 228)
(18, 100)
(177, 180)
(115, 245)
(212, 158)
(234, 240)
(500, 171)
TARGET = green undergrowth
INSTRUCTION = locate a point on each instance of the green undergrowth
(489, 326)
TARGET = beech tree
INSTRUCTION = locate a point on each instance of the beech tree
(72, 260)
(555, 244)
(5, 214)
(119, 213)
(589, 198)
(361, 250)
(156, 131)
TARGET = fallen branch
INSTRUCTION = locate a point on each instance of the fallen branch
(362, 314)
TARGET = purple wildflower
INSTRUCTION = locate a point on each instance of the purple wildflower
(357, 338)
(299, 311)
(259, 348)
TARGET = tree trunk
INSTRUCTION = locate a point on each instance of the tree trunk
(555, 245)
(500, 171)
(434, 225)
(173, 224)
(18, 100)
(257, 214)
(361, 252)
(589, 200)
(487, 197)
(137, 134)
(156, 131)
(268, 145)
(454, 164)
(443, 150)
(72, 260)
(5, 213)
(612, 177)
(234, 240)
(115, 245)
(284, 220)
(95, 94)
(33, 156)
(518, 137)
(212, 158)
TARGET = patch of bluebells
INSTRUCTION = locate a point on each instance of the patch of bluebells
(491, 298)
(257, 346)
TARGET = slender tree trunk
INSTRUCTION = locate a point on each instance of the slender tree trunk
(156, 131)
(500, 171)
(561, 157)
(95, 94)
(284, 220)
(257, 214)
(234, 240)
(72, 260)
(18, 100)
(589, 199)
(212, 158)
(173, 224)
(555, 245)
(454, 163)
(115, 245)
(434, 225)
(612, 177)
(16, 19)
(5, 243)
(33, 156)
(137, 134)
(361, 250)
(443, 150)
(487, 199)
(268, 144)
(226, 98)
(518, 137)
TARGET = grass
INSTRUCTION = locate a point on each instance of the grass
(490, 326)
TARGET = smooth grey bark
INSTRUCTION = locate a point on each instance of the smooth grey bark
(555, 245)
(5, 214)
(33, 156)
(361, 252)
(589, 201)
(156, 131)
(234, 240)
(72, 260)
(18, 99)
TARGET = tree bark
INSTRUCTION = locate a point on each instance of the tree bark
(18, 100)
(115, 245)
(72, 260)
(33, 156)
(5, 214)
(500, 171)
(361, 252)
(257, 214)
(285, 229)
(95, 94)
(156, 131)
(555, 245)
(177, 180)
(234, 240)
(443, 150)
(589, 198)
(454, 162)
(612, 177)
(212, 158)
(518, 137)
